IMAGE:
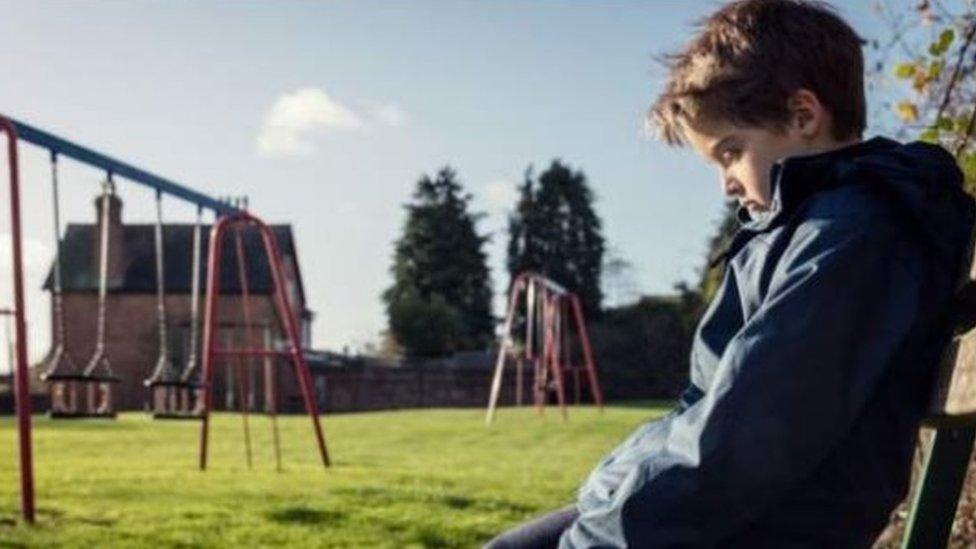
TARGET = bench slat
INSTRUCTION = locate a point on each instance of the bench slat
(954, 397)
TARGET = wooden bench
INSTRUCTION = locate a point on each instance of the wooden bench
(952, 415)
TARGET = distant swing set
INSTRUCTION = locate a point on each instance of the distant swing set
(553, 320)
(175, 392)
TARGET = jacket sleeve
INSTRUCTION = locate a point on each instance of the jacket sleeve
(789, 385)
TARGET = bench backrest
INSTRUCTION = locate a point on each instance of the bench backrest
(954, 396)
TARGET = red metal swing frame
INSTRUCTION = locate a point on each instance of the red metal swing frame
(21, 388)
(286, 316)
(551, 300)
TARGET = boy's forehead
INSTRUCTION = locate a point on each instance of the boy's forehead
(704, 136)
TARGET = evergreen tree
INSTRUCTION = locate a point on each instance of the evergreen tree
(440, 300)
(555, 231)
(524, 244)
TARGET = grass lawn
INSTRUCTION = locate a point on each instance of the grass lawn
(425, 478)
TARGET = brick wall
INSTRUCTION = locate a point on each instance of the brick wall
(462, 381)
(429, 384)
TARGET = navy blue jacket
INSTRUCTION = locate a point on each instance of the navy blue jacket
(810, 370)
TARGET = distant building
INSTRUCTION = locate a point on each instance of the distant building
(132, 342)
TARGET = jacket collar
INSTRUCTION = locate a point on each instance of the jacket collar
(793, 180)
(796, 178)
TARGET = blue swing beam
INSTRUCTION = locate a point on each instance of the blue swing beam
(113, 167)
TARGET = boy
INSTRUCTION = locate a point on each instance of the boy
(811, 368)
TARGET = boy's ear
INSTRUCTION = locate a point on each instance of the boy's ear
(807, 114)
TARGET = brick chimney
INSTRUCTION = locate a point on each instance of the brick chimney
(116, 269)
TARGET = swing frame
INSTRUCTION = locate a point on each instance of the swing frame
(286, 316)
(16, 131)
(548, 307)
(21, 390)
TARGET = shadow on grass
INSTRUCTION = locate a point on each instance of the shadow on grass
(429, 537)
(306, 516)
(376, 497)
(101, 522)
(435, 537)
(660, 404)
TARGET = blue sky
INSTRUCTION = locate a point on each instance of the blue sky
(325, 115)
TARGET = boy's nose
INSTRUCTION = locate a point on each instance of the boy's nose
(731, 187)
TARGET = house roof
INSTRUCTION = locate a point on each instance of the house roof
(79, 251)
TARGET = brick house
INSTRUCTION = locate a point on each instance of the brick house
(132, 332)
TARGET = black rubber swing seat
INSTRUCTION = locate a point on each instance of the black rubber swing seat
(81, 415)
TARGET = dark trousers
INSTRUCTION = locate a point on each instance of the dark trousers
(539, 533)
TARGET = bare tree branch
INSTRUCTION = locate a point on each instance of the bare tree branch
(970, 34)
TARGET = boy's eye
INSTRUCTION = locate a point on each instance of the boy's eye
(727, 156)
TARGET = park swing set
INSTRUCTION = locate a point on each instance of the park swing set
(69, 384)
(551, 314)
(174, 392)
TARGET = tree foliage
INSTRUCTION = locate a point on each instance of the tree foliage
(619, 285)
(440, 300)
(931, 54)
(555, 231)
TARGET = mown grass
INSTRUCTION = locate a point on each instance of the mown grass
(425, 478)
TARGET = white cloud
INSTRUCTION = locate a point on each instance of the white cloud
(297, 117)
(501, 194)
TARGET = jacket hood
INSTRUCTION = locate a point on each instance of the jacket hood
(922, 180)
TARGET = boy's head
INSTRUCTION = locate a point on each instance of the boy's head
(763, 80)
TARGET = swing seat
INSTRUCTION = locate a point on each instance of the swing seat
(99, 369)
(60, 363)
(100, 378)
(163, 372)
(177, 416)
(81, 415)
(174, 416)
(85, 381)
(167, 412)
(178, 383)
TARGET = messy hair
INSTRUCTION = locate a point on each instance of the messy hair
(748, 58)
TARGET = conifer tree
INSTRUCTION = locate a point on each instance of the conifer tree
(556, 231)
(440, 300)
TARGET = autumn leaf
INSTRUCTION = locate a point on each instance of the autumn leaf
(905, 70)
(908, 111)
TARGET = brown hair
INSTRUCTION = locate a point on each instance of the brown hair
(751, 55)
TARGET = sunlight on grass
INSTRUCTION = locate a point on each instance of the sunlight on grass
(425, 478)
